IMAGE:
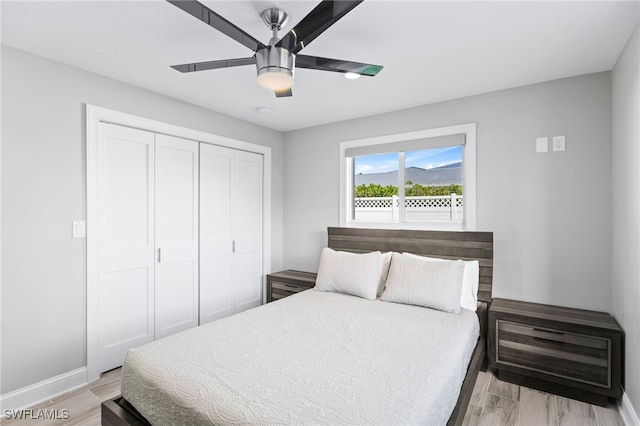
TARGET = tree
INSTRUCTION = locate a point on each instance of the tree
(417, 190)
(411, 190)
(375, 190)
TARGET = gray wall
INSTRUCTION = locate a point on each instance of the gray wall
(553, 245)
(43, 190)
(625, 276)
(550, 213)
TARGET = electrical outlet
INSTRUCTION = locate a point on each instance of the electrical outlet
(542, 144)
(558, 143)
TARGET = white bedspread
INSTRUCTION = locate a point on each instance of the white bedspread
(312, 358)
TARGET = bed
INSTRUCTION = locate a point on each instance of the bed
(320, 357)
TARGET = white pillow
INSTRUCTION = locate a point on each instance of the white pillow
(432, 284)
(385, 263)
(470, 281)
(350, 273)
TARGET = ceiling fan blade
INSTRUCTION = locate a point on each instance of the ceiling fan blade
(212, 65)
(211, 18)
(283, 93)
(315, 23)
(336, 65)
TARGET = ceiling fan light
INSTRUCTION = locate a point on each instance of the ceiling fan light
(351, 75)
(275, 78)
(275, 68)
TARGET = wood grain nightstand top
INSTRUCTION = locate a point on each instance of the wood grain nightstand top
(555, 313)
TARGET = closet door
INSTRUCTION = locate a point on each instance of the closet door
(247, 230)
(216, 242)
(176, 235)
(125, 242)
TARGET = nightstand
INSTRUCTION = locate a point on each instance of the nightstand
(571, 352)
(285, 283)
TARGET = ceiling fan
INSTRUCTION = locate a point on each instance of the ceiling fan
(276, 61)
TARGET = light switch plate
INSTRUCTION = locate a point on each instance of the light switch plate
(558, 143)
(542, 144)
(79, 229)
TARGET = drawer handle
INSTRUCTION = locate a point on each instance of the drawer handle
(290, 286)
(548, 331)
(542, 339)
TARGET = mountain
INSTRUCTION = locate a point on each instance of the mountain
(451, 166)
(437, 176)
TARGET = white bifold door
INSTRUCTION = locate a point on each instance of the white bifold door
(176, 201)
(179, 236)
(230, 231)
(126, 262)
(147, 238)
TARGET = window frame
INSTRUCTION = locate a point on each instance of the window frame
(468, 179)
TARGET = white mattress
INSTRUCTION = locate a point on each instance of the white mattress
(312, 358)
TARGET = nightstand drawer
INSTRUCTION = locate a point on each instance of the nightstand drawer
(562, 354)
(542, 335)
(280, 290)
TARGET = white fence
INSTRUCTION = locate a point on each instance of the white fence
(443, 207)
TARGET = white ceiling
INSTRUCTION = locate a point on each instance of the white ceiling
(431, 51)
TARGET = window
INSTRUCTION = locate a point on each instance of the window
(421, 180)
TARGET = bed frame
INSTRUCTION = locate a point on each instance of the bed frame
(442, 244)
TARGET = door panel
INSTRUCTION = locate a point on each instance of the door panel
(125, 295)
(216, 295)
(248, 280)
(125, 172)
(176, 235)
(248, 203)
(216, 243)
(247, 231)
(175, 295)
(125, 242)
(176, 189)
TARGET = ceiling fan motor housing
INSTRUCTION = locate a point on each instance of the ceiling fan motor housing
(275, 64)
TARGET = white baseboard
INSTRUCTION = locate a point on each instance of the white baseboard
(43, 391)
(627, 412)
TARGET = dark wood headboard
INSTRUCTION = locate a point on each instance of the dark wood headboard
(444, 244)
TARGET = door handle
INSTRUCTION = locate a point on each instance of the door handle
(159, 255)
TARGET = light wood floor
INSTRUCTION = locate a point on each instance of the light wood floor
(83, 404)
(498, 403)
(494, 403)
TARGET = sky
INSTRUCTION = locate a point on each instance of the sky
(425, 159)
